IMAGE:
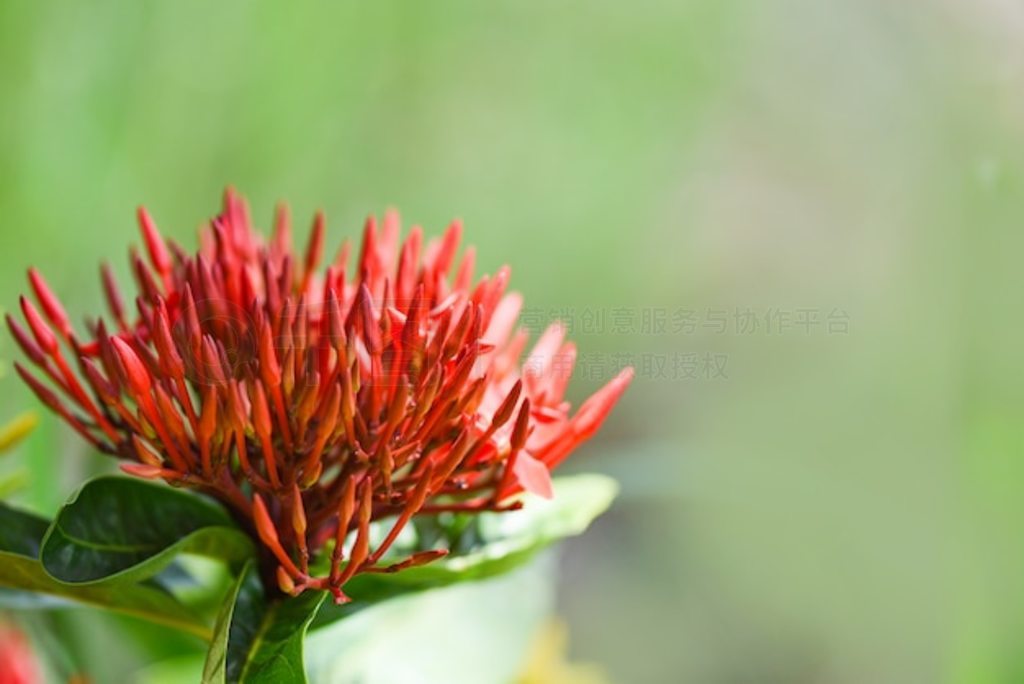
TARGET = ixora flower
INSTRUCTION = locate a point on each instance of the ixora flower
(315, 402)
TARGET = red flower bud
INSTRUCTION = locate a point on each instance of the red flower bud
(44, 336)
(113, 295)
(31, 349)
(137, 374)
(268, 534)
(155, 245)
(51, 305)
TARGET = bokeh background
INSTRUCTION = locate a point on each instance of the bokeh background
(800, 220)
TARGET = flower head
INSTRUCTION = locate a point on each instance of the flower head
(313, 401)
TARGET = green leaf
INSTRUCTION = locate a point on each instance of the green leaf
(20, 531)
(257, 641)
(244, 601)
(509, 540)
(126, 530)
(25, 583)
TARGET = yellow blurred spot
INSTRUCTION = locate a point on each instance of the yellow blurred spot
(14, 483)
(17, 430)
(549, 662)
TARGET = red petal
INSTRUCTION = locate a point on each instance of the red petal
(534, 476)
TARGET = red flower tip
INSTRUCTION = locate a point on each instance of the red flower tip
(145, 454)
(315, 249)
(208, 417)
(44, 336)
(269, 367)
(27, 345)
(594, 410)
(508, 407)
(521, 430)
(281, 241)
(155, 244)
(113, 294)
(264, 524)
(317, 402)
(298, 513)
(260, 411)
(136, 372)
(51, 305)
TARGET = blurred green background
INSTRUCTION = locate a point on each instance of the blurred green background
(845, 504)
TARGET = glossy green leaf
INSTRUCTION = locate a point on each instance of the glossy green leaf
(21, 531)
(126, 530)
(26, 584)
(235, 627)
(257, 641)
(507, 541)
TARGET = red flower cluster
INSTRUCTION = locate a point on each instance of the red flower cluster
(314, 403)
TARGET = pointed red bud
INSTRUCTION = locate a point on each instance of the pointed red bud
(449, 246)
(208, 417)
(44, 336)
(170, 360)
(298, 513)
(508, 407)
(155, 245)
(270, 368)
(268, 534)
(521, 430)
(335, 320)
(145, 454)
(346, 509)
(212, 368)
(148, 287)
(282, 238)
(264, 525)
(371, 333)
(136, 371)
(112, 293)
(361, 549)
(51, 305)
(311, 476)
(260, 411)
(595, 410)
(26, 343)
(315, 249)
(103, 387)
